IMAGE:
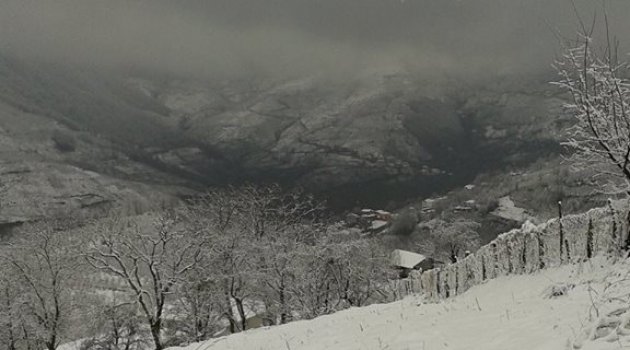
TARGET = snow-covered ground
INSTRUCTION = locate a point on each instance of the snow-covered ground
(509, 313)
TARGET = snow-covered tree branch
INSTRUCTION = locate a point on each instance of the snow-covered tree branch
(600, 102)
(152, 261)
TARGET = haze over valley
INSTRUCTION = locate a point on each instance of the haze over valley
(287, 159)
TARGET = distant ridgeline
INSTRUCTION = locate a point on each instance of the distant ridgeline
(574, 238)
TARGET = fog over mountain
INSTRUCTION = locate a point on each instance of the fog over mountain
(297, 37)
(404, 97)
(177, 171)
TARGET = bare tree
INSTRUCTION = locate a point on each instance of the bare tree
(199, 304)
(118, 328)
(254, 231)
(355, 269)
(449, 238)
(43, 265)
(279, 268)
(273, 247)
(340, 270)
(152, 261)
(600, 102)
(313, 293)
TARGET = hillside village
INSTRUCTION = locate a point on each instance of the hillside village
(583, 252)
(405, 267)
(308, 175)
(527, 273)
(514, 311)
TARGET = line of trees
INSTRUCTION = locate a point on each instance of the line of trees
(184, 275)
(36, 271)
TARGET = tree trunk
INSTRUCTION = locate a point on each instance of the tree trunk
(228, 303)
(25, 336)
(156, 328)
(11, 340)
(232, 324)
(241, 312)
(326, 301)
(51, 343)
(9, 323)
(284, 317)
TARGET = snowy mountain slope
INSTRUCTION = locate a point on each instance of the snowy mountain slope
(400, 134)
(514, 312)
(48, 170)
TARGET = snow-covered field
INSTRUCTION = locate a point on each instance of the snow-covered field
(509, 313)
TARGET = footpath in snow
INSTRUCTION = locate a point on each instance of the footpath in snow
(582, 306)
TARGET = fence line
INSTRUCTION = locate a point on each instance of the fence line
(528, 249)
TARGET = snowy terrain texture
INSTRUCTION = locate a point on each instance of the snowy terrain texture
(579, 306)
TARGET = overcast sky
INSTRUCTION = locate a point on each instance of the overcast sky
(210, 37)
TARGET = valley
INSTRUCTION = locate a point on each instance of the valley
(370, 141)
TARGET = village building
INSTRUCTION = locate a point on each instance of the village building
(406, 262)
(369, 220)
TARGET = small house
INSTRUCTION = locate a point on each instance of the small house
(405, 262)
(378, 226)
(371, 221)
(383, 215)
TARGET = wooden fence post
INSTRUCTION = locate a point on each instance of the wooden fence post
(561, 232)
(589, 239)
(541, 250)
(616, 244)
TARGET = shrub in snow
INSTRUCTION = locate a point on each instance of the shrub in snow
(557, 290)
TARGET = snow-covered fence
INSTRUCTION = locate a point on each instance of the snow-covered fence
(529, 249)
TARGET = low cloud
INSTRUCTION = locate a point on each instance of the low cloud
(293, 37)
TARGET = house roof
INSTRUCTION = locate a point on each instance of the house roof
(378, 225)
(405, 259)
(509, 211)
